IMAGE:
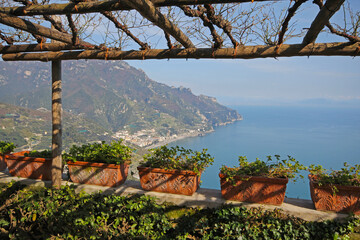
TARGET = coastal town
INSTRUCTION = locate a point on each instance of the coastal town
(149, 138)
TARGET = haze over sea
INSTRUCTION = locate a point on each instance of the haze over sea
(312, 135)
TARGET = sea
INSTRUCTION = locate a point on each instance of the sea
(328, 136)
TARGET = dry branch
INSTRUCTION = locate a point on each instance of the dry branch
(329, 9)
(242, 52)
(333, 30)
(200, 12)
(218, 41)
(124, 28)
(34, 28)
(8, 40)
(113, 5)
(168, 40)
(57, 25)
(291, 13)
(73, 29)
(38, 47)
(222, 23)
(343, 34)
(148, 11)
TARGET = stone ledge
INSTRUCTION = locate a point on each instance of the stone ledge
(204, 197)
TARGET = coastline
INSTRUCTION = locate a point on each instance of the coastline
(179, 137)
(190, 135)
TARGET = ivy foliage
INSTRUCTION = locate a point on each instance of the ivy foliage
(272, 167)
(45, 213)
(113, 153)
(347, 176)
(178, 158)
(39, 154)
(6, 147)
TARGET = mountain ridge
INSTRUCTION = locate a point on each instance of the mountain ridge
(115, 95)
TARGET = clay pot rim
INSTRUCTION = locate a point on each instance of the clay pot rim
(258, 178)
(329, 186)
(161, 170)
(19, 156)
(100, 165)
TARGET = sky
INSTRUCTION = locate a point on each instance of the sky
(294, 80)
(262, 81)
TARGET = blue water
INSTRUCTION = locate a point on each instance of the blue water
(312, 135)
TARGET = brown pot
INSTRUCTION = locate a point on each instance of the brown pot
(102, 174)
(169, 181)
(2, 162)
(254, 189)
(345, 199)
(28, 167)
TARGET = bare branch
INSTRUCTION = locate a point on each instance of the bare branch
(291, 13)
(34, 28)
(200, 12)
(8, 40)
(148, 11)
(124, 28)
(333, 30)
(112, 5)
(168, 40)
(73, 30)
(219, 21)
(329, 9)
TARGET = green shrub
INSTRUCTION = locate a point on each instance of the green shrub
(114, 153)
(286, 168)
(39, 154)
(347, 176)
(6, 147)
(178, 158)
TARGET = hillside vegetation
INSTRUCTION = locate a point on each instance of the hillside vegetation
(116, 98)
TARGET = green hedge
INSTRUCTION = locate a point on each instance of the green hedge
(44, 213)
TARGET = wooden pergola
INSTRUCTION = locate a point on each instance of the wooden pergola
(66, 42)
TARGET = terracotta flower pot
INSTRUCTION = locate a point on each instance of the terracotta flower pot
(2, 162)
(102, 174)
(169, 181)
(345, 199)
(29, 167)
(254, 189)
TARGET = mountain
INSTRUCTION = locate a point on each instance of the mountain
(31, 129)
(116, 96)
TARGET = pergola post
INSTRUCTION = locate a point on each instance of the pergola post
(56, 111)
(56, 170)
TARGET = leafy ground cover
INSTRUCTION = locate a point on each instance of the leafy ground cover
(44, 213)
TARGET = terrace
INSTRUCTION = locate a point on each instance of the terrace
(184, 37)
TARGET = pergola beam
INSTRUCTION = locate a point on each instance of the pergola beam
(243, 52)
(38, 47)
(34, 28)
(147, 9)
(323, 17)
(112, 5)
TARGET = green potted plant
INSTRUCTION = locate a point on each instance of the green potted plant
(336, 190)
(34, 164)
(259, 181)
(173, 170)
(5, 148)
(99, 163)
